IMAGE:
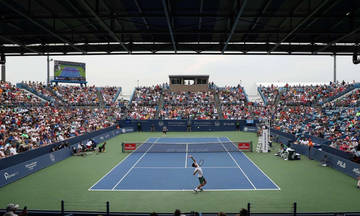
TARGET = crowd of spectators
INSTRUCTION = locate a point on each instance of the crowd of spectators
(351, 100)
(270, 93)
(42, 89)
(108, 94)
(310, 95)
(303, 94)
(10, 95)
(340, 125)
(234, 103)
(22, 129)
(77, 95)
(145, 103)
(189, 105)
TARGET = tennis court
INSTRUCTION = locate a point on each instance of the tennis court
(162, 164)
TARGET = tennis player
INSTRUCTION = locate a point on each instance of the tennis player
(200, 173)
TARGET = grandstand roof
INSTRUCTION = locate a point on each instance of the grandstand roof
(61, 27)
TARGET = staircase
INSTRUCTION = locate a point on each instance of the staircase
(161, 105)
(56, 95)
(218, 104)
(117, 94)
(264, 99)
(345, 93)
(34, 92)
(100, 97)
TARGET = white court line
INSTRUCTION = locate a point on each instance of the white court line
(278, 188)
(113, 168)
(220, 167)
(186, 154)
(185, 190)
(127, 173)
(237, 164)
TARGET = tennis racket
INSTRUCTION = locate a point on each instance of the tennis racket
(201, 162)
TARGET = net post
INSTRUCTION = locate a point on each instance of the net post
(62, 208)
(122, 147)
(248, 209)
(107, 208)
(251, 148)
(294, 210)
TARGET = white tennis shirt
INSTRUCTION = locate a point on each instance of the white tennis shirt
(199, 171)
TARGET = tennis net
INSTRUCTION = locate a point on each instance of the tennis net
(226, 146)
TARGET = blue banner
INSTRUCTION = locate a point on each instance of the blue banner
(28, 155)
(339, 163)
(21, 170)
(189, 125)
(14, 172)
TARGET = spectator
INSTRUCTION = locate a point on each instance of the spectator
(178, 213)
(244, 212)
(11, 209)
(324, 161)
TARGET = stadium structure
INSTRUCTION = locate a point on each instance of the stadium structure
(79, 150)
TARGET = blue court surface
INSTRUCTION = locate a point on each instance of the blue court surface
(150, 170)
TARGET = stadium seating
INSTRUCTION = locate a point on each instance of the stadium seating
(234, 104)
(75, 95)
(303, 94)
(35, 114)
(144, 103)
(189, 105)
(108, 94)
(13, 96)
(22, 129)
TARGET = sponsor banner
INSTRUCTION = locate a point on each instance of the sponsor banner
(250, 129)
(21, 170)
(176, 124)
(130, 146)
(341, 164)
(244, 146)
(184, 125)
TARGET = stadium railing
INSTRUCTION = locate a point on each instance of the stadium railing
(132, 96)
(117, 95)
(350, 88)
(262, 96)
(28, 88)
(287, 209)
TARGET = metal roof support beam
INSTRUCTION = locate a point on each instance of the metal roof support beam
(241, 10)
(339, 39)
(141, 12)
(323, 13)
(169, 25)
(259, 17)
(101, 22)
(324, 2)
(200, 12)
(340, 21)
(21, 45)
(40, 25)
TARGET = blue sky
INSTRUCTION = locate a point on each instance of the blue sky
(224, 70)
